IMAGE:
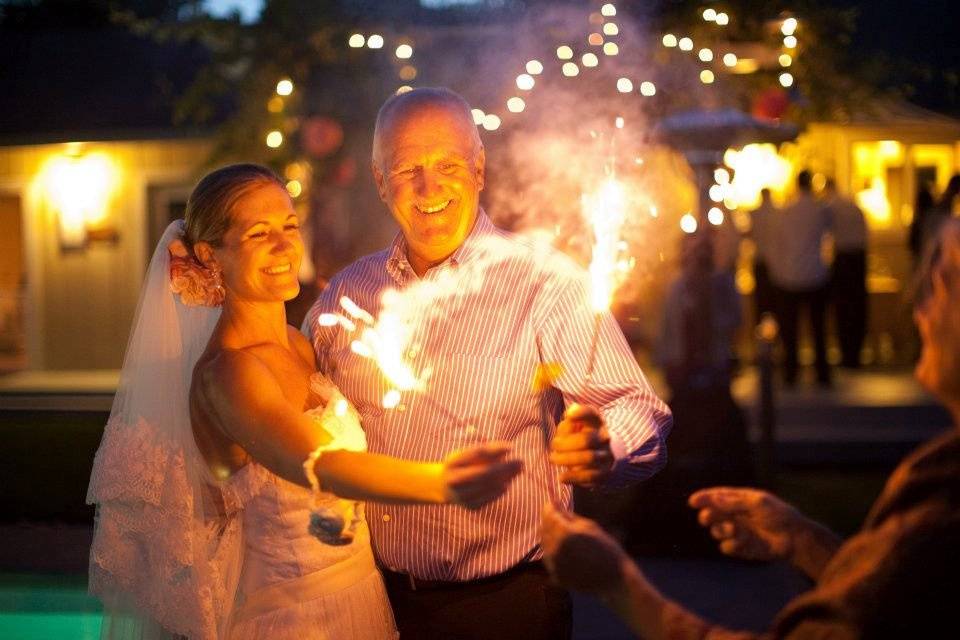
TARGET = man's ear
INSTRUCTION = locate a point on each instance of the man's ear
(379, 179)
(480, 165)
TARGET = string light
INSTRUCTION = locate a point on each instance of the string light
(608, 10)
(685, 44)
(408, 72)
(610, 29)
(375, 41)
(706, 55)
(516, 104)
(535, 67)
(595, 39)
(716, 193)
(491, 122)
(688, 223)
(590, 60)
(284, 87)
(404, 51)
(790, 42)
(706, 76)
(786, 60)
(525, 82)
(564, 52)
(624, 85)
(478, 116)
(669, 40)
(403, 89)
(570, 69)
(730, 59)
(356, 41)
(709, 15)
(715, 216)
(786, 79)
(611, 49)
(648, 89)
(723, 19)
(294, 188)
(275, 104)
(274, 139)
(721, 175)
(789, 26)
(618, 122)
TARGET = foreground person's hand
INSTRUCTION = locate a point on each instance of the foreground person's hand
(579, 554)
(749, 523)
(756, 525)
(582, 445)
(477, 475)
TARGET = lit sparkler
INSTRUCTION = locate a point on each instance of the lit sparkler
(384, 340)
(606, 210)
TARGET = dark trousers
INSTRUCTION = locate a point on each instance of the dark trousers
(849, 295)
(521, 604)
(764, 291)
(814, 301)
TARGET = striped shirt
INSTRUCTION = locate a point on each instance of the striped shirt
(487, 316)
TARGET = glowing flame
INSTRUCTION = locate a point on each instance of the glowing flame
(606, 211)
(382, 340)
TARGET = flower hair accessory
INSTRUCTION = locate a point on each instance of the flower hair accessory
(197, 284)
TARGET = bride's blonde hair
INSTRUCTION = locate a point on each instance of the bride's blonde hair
(212, 200)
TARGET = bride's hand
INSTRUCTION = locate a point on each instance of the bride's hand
(480, 474)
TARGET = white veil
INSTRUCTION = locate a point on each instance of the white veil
(166, 548)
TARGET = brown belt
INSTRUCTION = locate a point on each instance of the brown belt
(410, 583)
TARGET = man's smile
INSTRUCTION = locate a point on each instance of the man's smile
(430, 208)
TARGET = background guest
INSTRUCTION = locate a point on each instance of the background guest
(848, 278)
(800, 275)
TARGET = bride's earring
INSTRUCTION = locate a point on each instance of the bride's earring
(216, 284)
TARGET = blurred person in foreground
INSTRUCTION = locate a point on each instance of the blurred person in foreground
(848, 274)
(511, 308)
(893, 579)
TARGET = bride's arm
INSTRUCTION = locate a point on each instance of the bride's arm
(247, 404)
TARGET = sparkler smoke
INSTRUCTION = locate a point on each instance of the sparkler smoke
(552, 162)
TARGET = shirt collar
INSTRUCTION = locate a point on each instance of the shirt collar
(398, 266)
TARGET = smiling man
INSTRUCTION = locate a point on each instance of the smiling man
(509, 307)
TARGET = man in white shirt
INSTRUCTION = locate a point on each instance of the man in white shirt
(798, 271)
(848, 278)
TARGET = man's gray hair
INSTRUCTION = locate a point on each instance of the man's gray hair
(403, 103)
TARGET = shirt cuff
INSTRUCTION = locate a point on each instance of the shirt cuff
(617, 446)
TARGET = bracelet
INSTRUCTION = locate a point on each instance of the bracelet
(310, 472)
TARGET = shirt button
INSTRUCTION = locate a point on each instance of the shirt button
(386, 517)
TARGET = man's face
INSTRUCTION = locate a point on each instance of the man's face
(430, 176)
(938, 321)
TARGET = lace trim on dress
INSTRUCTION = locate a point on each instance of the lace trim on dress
(145, 545)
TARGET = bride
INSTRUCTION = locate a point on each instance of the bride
(206, 524)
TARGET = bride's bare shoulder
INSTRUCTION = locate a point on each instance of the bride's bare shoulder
(227, 372)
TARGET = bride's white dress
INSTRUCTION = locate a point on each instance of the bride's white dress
(291, 584)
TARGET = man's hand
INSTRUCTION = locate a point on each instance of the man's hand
(475, 476)
(756, 525)
(579, 554)
(749, 523)
(582, 444)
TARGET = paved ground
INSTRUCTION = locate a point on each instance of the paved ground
(42, 588)
(866, 419)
